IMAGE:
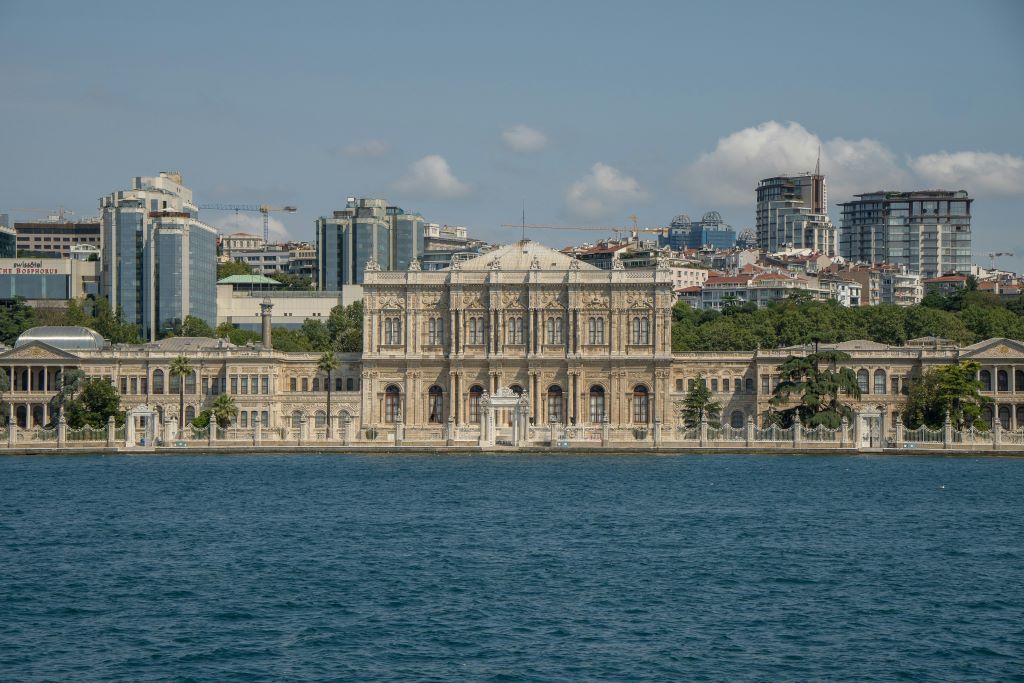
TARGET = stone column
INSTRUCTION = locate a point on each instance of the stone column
(257, 432)
(302, 427)
(749, 437)
(703, 431)
(798, 433)
(898, 431)
(605, 430)
(449, 432)
(62, 430)
(997, 432)
(111, 431)
(346, 421)
(656, 431)
(844, 428)
(211, 434)
(129, 431)
(947, 432)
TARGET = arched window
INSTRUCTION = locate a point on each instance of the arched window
(435, 405)
(1004, 416)
(158, 381)
(476, 392)
(392, 403)
(516, 389)
(986, 415)
(190, 413)
(1002, 380)
(736, 420)
(555, 403)
(862, 380)
(175, 384)
(319, 420)
(879, 382)
(1020, 417)
(1018, 380)
(296, 419)
(597, 403)
(986, 380)
(641, 404)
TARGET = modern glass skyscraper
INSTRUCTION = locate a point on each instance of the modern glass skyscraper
(159, 260)
(365, 230)
(928, 231)
(792, 213)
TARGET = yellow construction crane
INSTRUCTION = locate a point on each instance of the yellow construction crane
(260, 208)
(634, 231)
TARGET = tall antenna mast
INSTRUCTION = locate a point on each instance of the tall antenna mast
(817, 165)
(524, 220)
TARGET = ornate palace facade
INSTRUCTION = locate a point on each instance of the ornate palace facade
(521, 345)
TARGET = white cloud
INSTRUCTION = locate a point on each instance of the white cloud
(432, 177)
(728, 174)
(365, 149)
(228, 222)
(522, 138)
(601, 191)
(977, 172)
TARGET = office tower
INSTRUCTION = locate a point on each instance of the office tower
(365, 230)
(710, 230)
(928, 231)
(792, 213)
(159, 261)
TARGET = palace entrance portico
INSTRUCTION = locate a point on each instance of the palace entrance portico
(504, 417)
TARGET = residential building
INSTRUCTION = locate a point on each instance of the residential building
(365, 231)
(240, 242)
(928, 231)
(945, 284)
(159, 260)
(792, 213)
(54, 239)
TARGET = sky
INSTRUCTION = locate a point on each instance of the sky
(582, 112)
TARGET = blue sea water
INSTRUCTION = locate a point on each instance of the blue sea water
(511, 568)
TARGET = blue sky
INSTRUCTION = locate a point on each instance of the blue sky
(587, 112)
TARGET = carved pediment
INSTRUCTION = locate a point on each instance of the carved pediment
(38, 351)
(1008, 349)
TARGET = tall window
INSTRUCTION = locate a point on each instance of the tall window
(476, 392)
(986, 380)
(435, 332)
(595, 331)
(476, 330)
(879, 381)
(862, 380)
(596, 403)
(1002, 381)
(641, 404)
(554, 330)
(158, 381)
(641, 331)
(435, 405)
(392, 403)
(555, 403)
(515, 330)
(393, 331)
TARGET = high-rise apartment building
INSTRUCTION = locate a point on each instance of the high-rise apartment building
(792, 213)
(927, 231)
(54, 239)
(365, 230)
(159, 261)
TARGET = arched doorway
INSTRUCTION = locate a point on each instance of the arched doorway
(476, 392)
(392, 403)
(435, 405)
(555, 412)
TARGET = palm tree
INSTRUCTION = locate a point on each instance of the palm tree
(328, 363)
(181, 368)
(223, 410)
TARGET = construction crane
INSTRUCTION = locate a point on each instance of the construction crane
(261, 208)
(617, 230)
(992, 257)
(59, 213)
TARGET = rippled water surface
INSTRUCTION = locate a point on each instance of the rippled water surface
(514, 568)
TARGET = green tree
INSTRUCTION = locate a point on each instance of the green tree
(202, 420)
(68, 387)
(293, 282)
(181, 368)
(317, 334)
(111, 324)
(96, 401)
(15, 318)
(345, 326)
(818, 383)
(950, 389)
(236, 336)
(224, 410)
(328, 363)
(229, 268)
(283, 339)
(698, 404)
(884, 324)
(195, 327)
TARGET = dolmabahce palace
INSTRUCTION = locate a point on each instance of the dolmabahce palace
(517, 346)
